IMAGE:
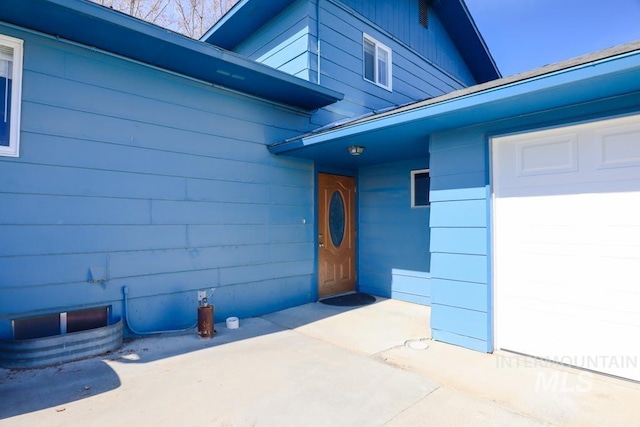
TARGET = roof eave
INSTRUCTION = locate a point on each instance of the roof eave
(611, 63)
(242, 20)
(99, 27)
(466, 36)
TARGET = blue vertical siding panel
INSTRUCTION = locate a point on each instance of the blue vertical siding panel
(163, 181)
(370, 277)
(425, 62)
(461, 312)
(341, 30)
(401, 19)
(393, 238)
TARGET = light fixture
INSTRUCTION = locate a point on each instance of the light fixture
(355, 150)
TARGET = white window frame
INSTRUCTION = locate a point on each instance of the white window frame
(378, 48)
(13, 149)
(413, 188)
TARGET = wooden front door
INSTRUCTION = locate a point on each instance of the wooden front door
(336, 235)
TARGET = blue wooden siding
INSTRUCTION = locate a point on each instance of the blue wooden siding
(400, 18)
(459, 231)
(393, 238)
(164, 181)
(284, 43)
(341, 32)
(289, 43)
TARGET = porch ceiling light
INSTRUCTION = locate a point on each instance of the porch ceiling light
(355, 150)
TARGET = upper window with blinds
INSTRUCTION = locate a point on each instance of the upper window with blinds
(377, 62)
(10, 94)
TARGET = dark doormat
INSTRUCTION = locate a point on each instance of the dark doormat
(350, 300)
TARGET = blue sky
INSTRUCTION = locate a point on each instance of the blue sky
(526, 34)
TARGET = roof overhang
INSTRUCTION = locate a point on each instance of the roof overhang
(465, 35)
(613, 74)
(96, 26)
(243, 19)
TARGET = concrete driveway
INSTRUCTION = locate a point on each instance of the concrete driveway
(314, 365)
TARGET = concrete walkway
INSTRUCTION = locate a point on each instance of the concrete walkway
(313, 365)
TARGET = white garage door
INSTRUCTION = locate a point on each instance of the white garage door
(566, 244)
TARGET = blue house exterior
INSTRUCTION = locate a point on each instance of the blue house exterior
(156, 165)
(131, 175)
(322, 41)
(595, 98)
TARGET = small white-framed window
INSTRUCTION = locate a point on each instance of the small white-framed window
(420, 183)
(10, 95)
(377, 62)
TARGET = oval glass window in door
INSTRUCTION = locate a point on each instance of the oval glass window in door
(336, 219)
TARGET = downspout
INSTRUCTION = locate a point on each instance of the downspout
(318, 37)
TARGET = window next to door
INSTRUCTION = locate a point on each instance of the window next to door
(420, 182)
(10, 94)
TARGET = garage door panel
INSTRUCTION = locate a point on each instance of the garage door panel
(618, 146)
(546, 156)
(566, 246)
